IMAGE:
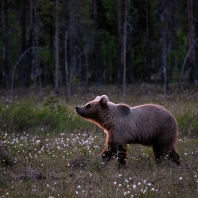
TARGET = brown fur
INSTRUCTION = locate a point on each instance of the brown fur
(149, 125)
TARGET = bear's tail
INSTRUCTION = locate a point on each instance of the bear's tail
(174, 156)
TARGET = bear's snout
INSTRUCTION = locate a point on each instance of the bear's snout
(79, 111)
(76, 108)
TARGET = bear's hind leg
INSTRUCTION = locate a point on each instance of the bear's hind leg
(174, 156)
(159, 153)
(121, 154)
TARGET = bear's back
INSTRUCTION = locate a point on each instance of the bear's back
(144, 121)
(151, 111)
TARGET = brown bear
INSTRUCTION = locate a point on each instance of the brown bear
(149, 125)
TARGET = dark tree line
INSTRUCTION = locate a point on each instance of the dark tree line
(74, 42)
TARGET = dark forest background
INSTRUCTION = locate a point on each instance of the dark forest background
(83, 42)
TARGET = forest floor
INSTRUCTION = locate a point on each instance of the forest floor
(46, 150)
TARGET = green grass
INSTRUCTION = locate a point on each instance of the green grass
(47, 150)
(28, 116)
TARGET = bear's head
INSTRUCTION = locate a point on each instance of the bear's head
(94, 110)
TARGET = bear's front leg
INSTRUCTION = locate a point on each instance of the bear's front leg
(117, 150)
(107, 153)
(121, 154)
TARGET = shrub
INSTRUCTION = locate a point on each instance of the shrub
(29, 116)
(188, 123)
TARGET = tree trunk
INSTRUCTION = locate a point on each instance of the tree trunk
(195, 14)
(5, 36)
(72, 49)
(165, 34)
(86, 68)
(97, 70)
(30, 57)
(120, 69)
(37, 71)
(66, 70)
(123, 60)
(56, 52)
(22, 68)
(191, 41)
(148, 76)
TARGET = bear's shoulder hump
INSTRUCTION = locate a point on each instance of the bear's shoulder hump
(123, 109)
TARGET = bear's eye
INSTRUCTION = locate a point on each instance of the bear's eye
(88, 106)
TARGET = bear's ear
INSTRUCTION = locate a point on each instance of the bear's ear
(97, 98)
(104, 99)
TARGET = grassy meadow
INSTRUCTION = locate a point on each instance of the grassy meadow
(46, 150)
